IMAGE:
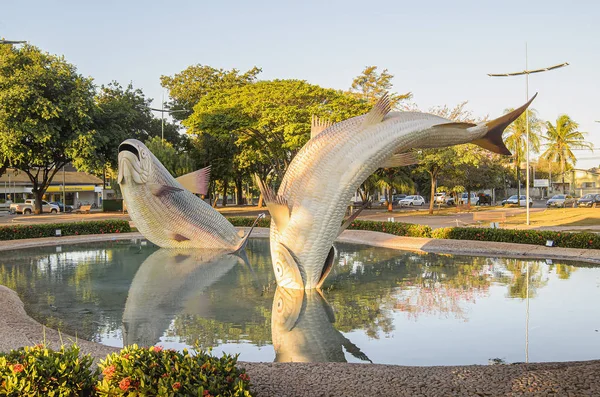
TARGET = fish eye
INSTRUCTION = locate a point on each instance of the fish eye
(144, 154)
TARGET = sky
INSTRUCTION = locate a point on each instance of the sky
(441, 51)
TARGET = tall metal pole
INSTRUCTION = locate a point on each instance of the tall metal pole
(527, 318)
(162, 119)
(527, 133)
(527, 72)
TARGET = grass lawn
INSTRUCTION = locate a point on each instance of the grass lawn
(559, 217)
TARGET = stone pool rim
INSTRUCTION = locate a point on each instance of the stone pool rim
(271, 379)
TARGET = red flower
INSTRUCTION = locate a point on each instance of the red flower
(109, 372)
(126, 357)
(156, 348)
(206, 393)
(124, 384)
(176, 386)
(18, 368)
(229, 379)
(591, 241)
(245, 377)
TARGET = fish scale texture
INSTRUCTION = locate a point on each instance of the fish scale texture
(160, 218)
(328, 170)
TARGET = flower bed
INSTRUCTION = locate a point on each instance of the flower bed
(16, 232)
(395, 228)
(134, 371)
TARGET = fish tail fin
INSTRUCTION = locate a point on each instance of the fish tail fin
(492, 140)
(241, 249)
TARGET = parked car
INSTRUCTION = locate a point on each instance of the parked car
(412, 200)
(561, 201)
(397, 197)
(440, 198)
(29, 205)
(61, 207)
(512, 200)
(589, 200)
(463, 199)
(484, 199)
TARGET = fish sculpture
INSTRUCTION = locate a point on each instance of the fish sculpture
(170, 282)
(308, 209)
(165, 210)
(302, 329)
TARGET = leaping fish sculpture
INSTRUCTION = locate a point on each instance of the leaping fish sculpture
(309, 207)
(164, 209)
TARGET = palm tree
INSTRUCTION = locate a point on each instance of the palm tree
(562, 138)
(393, 178)
(516, 140)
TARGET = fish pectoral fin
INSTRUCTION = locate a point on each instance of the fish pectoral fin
(318, 125)
(400, 160)
(176, 236)
(327, 266)
(197, 181)
(455, 125)
(376, 115)
(163, 190)
(492, 140)
(277, 205)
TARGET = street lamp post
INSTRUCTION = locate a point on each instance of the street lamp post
(527, 72)
(162, 117)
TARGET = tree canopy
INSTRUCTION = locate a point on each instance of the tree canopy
(45, 108)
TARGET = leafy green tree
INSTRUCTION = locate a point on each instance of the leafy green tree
(370, 85)
(189, 86)
(562, 138)
(177, 163)
(434, 162)
(516, 140)
(45, 111)
(258, 128)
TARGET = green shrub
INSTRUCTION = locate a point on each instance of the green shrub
(395, 228)
(39, 371)
(15, 232)
(242, 221)
(538, 237)
(157, 372)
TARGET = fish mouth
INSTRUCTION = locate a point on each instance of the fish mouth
(130, 165)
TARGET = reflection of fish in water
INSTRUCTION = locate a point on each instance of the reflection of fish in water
(302, 329)
(164, 211)
(308, 209)
(162, 286)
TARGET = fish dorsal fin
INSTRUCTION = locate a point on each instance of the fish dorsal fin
(277, 205)
(492, 140)
(376, 115)
(163, 190)
(400, 160)
(318, 125)
(197, 181)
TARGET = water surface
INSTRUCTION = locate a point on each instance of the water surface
(378, 305)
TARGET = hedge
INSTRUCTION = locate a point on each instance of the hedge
(16, 232)
(395, 228)
(134, 371)
(537, 237)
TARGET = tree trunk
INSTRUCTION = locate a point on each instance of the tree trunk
(432, 196)
(562, 166)
(37, 209)
(468, 198)
(518, 185)
(260, 201)
(225, 186)
(239, 191)
(389, 199)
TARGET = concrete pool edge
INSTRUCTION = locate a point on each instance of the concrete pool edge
(276, 379)
(376, 239)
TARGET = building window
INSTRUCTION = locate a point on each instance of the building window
(588, 185)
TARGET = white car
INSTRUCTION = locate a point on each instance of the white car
(512, 200)
(28, 207)
(440, 198)
(412, 200)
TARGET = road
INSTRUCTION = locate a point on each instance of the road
(447, 216)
